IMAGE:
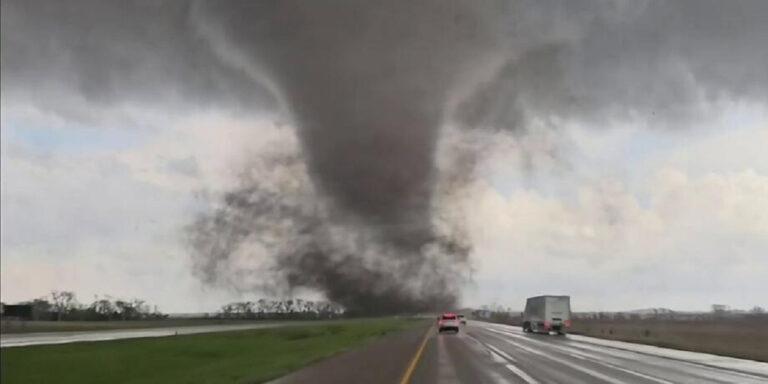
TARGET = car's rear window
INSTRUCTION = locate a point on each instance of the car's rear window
(449, 317)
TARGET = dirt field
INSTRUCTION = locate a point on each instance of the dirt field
(743, 338)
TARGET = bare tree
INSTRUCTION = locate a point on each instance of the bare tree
(62, 302)
(103, 307)
(139, 308)
(126, 309)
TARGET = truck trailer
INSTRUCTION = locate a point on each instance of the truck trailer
(545, 314)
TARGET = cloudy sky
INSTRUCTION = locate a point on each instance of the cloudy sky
(120, 125)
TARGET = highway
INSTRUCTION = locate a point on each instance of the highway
(487, 353)
(492, 353)
(43, 338)
(479, 353)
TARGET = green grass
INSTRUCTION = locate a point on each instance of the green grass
(227, 357)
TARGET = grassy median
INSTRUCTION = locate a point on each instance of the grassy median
(228, 357)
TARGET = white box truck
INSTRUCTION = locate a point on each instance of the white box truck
(545, 314)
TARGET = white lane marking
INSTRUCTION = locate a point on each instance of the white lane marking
(584, 343)
(501, 353)
(701, 361)
(517, 371)
(495, 357)
(596, 359)
(620, 353)
(577, 367)
(627, 354)
(480, 348)
(502, 357)
(476, 341)
(494, 352)
(700, 369)
(730, 363)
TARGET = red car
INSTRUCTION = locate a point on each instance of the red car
(448, 322)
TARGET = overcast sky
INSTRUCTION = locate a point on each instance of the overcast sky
(104, 163)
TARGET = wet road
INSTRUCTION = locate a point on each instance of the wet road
(42, 338)
(491, 353)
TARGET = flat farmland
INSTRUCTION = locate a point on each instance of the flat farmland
(741, 338)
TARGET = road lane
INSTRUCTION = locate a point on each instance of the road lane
(492, 353)
(383, 361)
(660, 367)
(42, 338)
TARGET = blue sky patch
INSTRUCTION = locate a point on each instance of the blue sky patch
(71, 138)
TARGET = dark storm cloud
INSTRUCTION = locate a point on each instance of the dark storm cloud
(73, 58)
(366, 85)
(361, 212)
(665, 62)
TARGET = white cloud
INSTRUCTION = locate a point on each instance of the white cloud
(697, 240)
(110, 221)
(203, 152)
(726, 150)
(553, 214)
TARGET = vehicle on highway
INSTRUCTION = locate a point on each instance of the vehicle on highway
(462, 320)
(545, 314)
(448, 322)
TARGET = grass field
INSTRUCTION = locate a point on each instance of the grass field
(227, 357)
(746, 339)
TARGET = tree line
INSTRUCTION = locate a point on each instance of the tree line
(63, 306)
(280, 309)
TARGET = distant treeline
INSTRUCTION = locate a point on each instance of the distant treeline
(755, 313)
(718, 313)
(280, 309)
(63, 305)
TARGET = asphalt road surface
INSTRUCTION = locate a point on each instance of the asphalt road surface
(42, 338)
(492, 353)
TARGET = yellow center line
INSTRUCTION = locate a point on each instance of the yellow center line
(411, 367)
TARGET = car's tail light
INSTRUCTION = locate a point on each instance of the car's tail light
(547, 324)
(442, 321)
(567, 323)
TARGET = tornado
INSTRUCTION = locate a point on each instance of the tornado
(358, 211)
(366, 86)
